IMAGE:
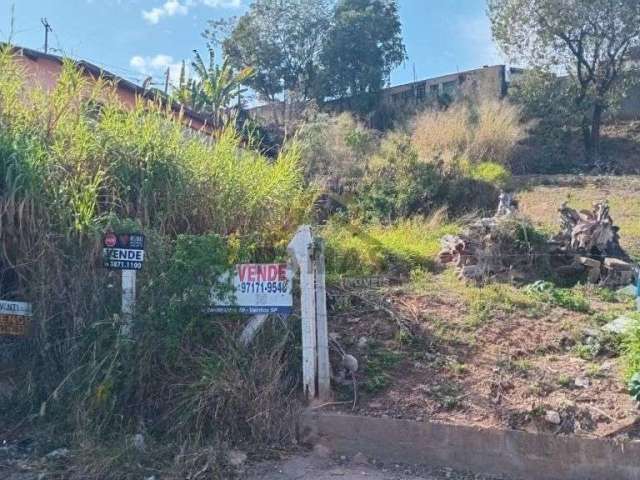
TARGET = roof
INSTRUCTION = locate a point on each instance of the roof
(123, 83)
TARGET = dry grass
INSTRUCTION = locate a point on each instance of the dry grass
(486, 131)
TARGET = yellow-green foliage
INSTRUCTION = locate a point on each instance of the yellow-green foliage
(492, 173)
(484, 131)
(357, 249)
(81, 156)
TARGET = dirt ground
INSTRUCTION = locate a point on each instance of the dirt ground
(492, 357)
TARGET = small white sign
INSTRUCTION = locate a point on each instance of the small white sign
(22, 309)
(14, 318)
(259, 288)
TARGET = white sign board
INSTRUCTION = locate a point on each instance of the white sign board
(259, 288)
(14, 318)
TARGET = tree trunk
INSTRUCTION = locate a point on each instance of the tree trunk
(596, 123)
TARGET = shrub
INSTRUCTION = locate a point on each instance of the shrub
(491, 173)
(354, 249)
(485, 131)
(398, 184)
(335, 147)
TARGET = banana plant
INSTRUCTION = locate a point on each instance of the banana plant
(214, 86)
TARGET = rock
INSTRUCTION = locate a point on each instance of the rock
(553, 417)
(629, 290)
(350, 363)
(359, 459)
(236, 457)
(363, 342)
(616, 264)
(321, 451)
(619, 325)
(582, 382)
(138, 442)
(589, 262)
(58, 453)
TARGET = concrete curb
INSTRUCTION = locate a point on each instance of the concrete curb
(489, 451)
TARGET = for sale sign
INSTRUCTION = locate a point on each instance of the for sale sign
(123, 251)
(15, 318)
(258, 288)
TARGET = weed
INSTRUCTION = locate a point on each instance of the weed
(570, 299)
(379, 362)
(355, 249)
(565, 381)
(484, 303)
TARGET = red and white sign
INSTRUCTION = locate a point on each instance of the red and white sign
(259, 288)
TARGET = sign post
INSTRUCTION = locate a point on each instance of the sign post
(125, 252)
(309, 257)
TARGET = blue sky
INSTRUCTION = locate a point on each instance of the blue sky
(137, 38)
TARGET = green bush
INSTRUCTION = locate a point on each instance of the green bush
(491, 173)
(356, 249)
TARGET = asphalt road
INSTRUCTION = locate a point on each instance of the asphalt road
(313, 467)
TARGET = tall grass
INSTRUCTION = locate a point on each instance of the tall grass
(356, 249)
(74, 162)
(486, 130)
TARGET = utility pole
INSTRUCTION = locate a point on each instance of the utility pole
(47, 29)
(166, 82)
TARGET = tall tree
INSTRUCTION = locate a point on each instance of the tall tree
(281, 40)
(362, 47)
(590, 40)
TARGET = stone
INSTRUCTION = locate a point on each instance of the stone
(138, 442)
(321, 451)
(619, 325)
(553, 417)
(616, 264)
(629, 290)
(582, 382)
(363, 342)
(236, 458)
(360, 459)
(589, 262)
(58, 454)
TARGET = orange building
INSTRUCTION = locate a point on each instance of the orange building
(43, 70)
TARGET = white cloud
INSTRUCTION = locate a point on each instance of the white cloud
(156, 67)
(168, 9)
(171, 8)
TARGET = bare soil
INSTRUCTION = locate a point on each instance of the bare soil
(425, 356)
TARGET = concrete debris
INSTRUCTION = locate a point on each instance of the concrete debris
(138, 442)
(58, 453)
(582, 382)
(321, 451)
(236, 458)
(553, 417)
(619, 325)
(588, 243)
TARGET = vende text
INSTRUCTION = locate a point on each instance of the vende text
(249, 272)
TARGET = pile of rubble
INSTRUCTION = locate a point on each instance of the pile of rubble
(498, 248)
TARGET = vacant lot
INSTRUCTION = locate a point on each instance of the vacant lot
(432, 348)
